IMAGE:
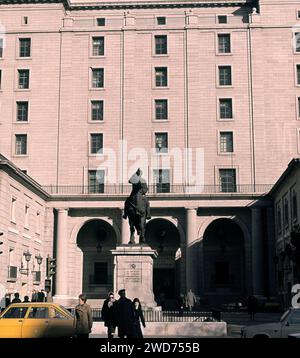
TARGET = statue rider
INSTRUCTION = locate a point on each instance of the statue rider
(137, 197)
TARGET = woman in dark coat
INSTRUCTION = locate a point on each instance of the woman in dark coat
(138, 319)
(108, 314)
(84, 319)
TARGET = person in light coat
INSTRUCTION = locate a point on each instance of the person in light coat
(84, 320)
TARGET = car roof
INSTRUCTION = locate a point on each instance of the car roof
(36, 304)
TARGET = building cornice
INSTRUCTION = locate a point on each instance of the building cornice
(24, 179)
(125, 4)
(293, 164)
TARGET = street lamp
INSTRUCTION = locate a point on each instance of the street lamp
(100, 237)
(161, 238)
(99, 247)
(27, 255)
(39, 259)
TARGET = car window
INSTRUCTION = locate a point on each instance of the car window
(65, 310)
(295, 317)
(38, 312)
(59, 315)
(16, 312)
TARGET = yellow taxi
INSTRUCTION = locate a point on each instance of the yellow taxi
(36, 320)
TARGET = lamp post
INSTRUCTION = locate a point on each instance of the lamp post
(27, 255)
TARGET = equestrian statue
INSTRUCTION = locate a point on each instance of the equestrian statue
(137, 207)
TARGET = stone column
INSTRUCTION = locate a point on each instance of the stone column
(125, 230)
(61, 288)
(257, 252)
(191, 236)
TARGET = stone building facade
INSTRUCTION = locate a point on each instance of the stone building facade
(202, 96)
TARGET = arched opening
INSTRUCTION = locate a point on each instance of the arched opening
(223, 262)
(163, 236)
(96, 238)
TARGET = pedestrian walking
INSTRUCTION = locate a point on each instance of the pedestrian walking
(181, 304)
(84, 320)
(108, 314)
(34, 297)
(190, 300)
(26, 299)
(125, 315)
(138, 319)
(252, 306)
(17, 298)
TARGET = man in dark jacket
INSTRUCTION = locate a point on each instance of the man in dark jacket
(108, 314)
(17, 298)
(125, 316)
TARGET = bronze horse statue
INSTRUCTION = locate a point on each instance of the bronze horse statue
(137, 208)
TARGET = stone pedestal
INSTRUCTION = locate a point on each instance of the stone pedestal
(134, 271)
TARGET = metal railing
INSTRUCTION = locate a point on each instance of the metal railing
(159, 189)
(165, 316)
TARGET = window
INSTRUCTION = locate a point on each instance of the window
(161, 20)
(97, 143)
(297, 41)
(22, 111)
(21, 144)
(279, 218)
(101, 21)
(161, 76)
(227, 180)
(23, 79)
(286, 212)
(161, 142)
(24, 47)
(97, 110)
(0, 78)
(1, 48)
(96, 181)
(222, 19)
(98, 46)
(294, 206)
(15, 312)
(161, 109)
(222, 276)
(224, 43)
(26, 222)
(298, 74)
(25, 20)
(97, 77)
(38, 223)
(295, 317)
(225, 108)
(298, 101)
(13, 210)
(161, 45)
(162, 180)
(225, 76)
(100, 276)
(38, 313)
(58, 315)
(226, 142)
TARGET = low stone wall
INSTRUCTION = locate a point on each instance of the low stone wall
(180, 329)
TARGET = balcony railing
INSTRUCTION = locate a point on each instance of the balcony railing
(166, 316)
(159, 189)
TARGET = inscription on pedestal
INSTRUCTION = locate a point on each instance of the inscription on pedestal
(133, 273)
